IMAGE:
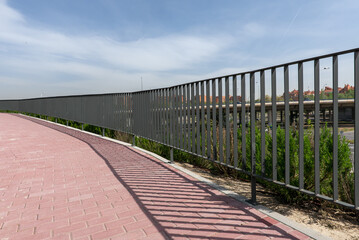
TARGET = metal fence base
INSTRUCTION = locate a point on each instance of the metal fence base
(253, 199)
(171, 155)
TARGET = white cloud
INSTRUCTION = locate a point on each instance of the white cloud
(40, 55)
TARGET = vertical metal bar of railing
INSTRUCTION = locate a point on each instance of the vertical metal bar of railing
(140, 114)
(228, 143)
(171, 111)
(184, 115)
(117, 109)
(243, 120)
(123, 104)
(150, 115)
(235, 126)
(178, 119)
(189, 137)
(126, 116)
(203, 129)
(122, 122)
(142, 111)
(335, 127)
(154, 115)
(208, 119)
(214, 122)
(193, 128)
(150, 124)
(162, 128)
(198, 134)
(129, 113)
(147, 113)
(175, 118)
(220, 119)
(159, 128)
(168, 119)
(181, 115)
(301, 126)
(132, 113)
(162, 116)
(274, 124)
(253, 137)
(144, 114)
(286, 113)
(356, 130)
(263, 121)
(316, 127)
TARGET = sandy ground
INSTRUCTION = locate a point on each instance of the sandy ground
(335, 224)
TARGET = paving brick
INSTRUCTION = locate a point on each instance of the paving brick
(110, 233)
(70, 228)
(87, 231)
(102, 219)
(136, 234)
(137, 225)
(119, 223)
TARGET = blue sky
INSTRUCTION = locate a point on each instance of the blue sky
(63, 47)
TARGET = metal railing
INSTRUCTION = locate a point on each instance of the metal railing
(212, 119)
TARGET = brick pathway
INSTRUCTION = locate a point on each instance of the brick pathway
(64, 184)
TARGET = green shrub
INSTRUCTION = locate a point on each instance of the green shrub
(345, 175)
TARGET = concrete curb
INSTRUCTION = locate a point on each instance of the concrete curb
(277, 216)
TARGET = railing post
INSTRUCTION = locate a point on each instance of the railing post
(253, 199)
(134, 140)
(67, 122)
(253, 145)
(82, 126)
(103, 132)
(171, 155)
(55, 120)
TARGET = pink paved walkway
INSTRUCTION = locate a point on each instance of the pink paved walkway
(65, 184)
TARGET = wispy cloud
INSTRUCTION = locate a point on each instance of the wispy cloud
(45, 54)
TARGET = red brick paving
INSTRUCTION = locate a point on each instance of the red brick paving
(65, 184)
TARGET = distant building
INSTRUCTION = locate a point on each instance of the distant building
(293, 95)
(346, 88)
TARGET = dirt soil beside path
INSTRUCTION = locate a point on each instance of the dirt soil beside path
(332, 223)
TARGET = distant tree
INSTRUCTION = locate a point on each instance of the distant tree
(348, 95)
